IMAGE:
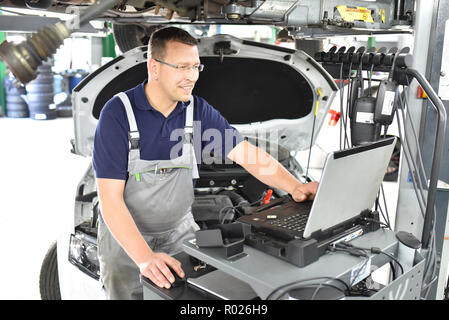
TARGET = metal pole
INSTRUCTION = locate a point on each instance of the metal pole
(437, 153)
(408, 218)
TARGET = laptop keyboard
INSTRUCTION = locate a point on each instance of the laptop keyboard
(286, 222)
(295, 222)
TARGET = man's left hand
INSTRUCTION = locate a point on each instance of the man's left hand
(304, 192)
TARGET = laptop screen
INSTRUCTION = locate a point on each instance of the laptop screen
(349, 184)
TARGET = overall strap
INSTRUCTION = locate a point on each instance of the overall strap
(133, 134)
(188, 127)
(188, 136)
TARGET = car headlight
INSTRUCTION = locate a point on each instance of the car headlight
(83, 254)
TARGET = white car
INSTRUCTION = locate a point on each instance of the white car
(259, 88)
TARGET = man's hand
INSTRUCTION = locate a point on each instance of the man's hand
(303, 192)
(156, 269)
(269, 171)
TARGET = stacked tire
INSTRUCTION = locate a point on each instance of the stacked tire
(40, 95)
(16, 106)
(64, 107)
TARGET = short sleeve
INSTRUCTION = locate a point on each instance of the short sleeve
(218, 135)
(110, 153)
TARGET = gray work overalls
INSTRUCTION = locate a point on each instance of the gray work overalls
(159, 195)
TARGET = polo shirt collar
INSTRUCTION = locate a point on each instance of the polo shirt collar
(142, 102)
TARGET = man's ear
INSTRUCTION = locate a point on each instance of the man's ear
(153, 68)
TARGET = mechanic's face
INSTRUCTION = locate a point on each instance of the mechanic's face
(178, 84)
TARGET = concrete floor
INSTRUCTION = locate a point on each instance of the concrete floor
(39, 176)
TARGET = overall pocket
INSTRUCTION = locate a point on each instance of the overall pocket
(156, 175)
(155, 204)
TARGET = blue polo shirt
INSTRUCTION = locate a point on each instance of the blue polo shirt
(110, 153)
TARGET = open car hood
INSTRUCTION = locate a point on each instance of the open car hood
(258, 88)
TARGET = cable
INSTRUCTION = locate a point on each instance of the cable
(354, 252)
(316, 291)
(421, 206)
(362, 83)
(370, 76)
(374, 250)
(221, 220)
(360, 270)
(430, 263)
(414, 133)
(326, 285)
(280, 291)
(407, 155)
(407, 145)
(387, 218)
(348, 99)
(393, 270)
(343, 123)
(393, 65)
(382, 213)
(433, 262)
(379, 222)
(229, 210)
(341, 105)
(318, 286)
(311, 144)
(377, 250)
(386, 130)
(379, 208)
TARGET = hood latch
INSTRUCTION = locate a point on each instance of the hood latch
(223, 48)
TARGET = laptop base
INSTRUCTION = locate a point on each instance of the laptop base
(302, 252)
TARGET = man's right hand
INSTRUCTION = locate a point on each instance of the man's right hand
(117, 217)
(156, 269)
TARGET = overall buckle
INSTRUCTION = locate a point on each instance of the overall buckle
(188, 134)
(134, 138)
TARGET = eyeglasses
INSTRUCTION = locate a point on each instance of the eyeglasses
(197, 67)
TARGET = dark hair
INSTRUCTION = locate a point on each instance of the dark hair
(159, 39)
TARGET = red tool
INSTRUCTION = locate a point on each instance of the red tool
(421, 93)
(334, 118)
(267, 198)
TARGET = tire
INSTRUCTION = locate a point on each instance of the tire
(14, 99)
(48, 278)
(64, 111)
(11, 90)
(17, 110)
(130, 36)
(33, 87)
(40, 98)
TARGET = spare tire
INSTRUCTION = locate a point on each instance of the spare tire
(130, 36)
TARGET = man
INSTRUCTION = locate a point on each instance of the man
(145, 191)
